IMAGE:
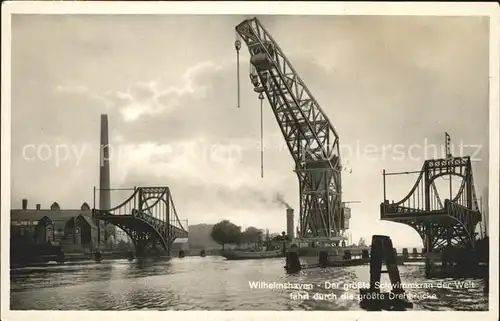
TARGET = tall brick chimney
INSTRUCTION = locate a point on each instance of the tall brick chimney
(25, 204)
(104, 181)
(104, 175)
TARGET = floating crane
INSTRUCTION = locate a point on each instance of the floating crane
(309, 134)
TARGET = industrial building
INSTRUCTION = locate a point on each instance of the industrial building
(73, 229)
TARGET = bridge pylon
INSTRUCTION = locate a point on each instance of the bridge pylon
(439, 223)
(149, 218)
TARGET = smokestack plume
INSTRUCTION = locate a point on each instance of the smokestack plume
(104, 176)
(281, 200)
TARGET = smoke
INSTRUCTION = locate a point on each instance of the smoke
(278, 197)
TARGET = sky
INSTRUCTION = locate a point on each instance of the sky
(391, 86)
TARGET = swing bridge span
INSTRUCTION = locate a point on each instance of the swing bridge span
(440, 223)
(149, 218)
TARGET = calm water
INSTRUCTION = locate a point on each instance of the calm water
(211, 283)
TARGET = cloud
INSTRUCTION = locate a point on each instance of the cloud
(150, 97)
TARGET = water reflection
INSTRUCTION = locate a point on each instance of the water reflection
(208, 283)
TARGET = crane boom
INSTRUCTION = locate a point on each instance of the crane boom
(309, 135)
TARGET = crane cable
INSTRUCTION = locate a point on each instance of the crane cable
(237, 45)
(261, 97)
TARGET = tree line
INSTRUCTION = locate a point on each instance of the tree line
(226, 232)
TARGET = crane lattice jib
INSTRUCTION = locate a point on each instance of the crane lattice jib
(290, 94)
(309, 135)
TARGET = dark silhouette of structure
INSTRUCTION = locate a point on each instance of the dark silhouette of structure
(372, 298)
(47, 234)
(74, 229)
(440, 224)
(311, 138)
(105, 180)
(148, 217)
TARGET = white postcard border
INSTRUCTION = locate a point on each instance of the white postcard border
(251, 8)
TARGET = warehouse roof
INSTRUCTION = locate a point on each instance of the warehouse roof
(54, 215)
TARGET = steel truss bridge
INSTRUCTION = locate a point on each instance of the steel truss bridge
(148, 217)
(439, 223)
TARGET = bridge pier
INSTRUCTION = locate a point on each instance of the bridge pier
(149, 247)
(428, 238)
(142, 252)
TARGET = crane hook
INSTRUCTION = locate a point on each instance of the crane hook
(237, 45)
(264, 80)
(255, 80)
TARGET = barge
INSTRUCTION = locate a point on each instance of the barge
(251, 255)
(317, 252)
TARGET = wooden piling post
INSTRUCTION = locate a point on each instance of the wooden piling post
(371, 298)
(292, 262)
(323, 259)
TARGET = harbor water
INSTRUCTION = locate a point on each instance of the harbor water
(213, 283)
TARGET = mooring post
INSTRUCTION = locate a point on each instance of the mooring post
(406, 255)
(292, 261)
(323, 259)
(376, 255)
(392, 265)
(371, 298)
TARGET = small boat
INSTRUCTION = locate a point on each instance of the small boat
(251, 255)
